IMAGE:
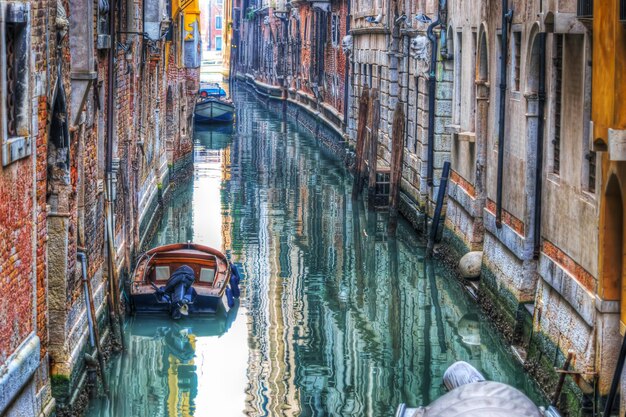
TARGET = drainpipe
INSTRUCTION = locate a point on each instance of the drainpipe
(432, 82)
(110, 102)
(92, 320)
(541, 97)
(506, 19)
(113, 284)
(346, 76)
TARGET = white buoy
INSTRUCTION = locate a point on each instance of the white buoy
(470, 265)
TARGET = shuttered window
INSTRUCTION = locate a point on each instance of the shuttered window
(517, 49)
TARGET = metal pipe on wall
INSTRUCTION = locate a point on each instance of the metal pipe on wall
(506, 18)
(541, 100)
(432, 82)
(92, 320)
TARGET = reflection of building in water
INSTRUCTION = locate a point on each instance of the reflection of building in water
(160, 375)
(176, 224)
(343, 320)
(182, 380)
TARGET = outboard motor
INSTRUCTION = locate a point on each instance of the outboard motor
(179, 291)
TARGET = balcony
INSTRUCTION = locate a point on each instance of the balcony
(584, 9)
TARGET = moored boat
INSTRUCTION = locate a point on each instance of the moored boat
(183, 278)
(213, 110)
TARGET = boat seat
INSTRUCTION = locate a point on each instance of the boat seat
(207, 275)
(162, 273)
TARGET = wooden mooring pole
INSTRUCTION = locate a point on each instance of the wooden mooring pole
(360, 140)
(373, 142)
(563, 374)
(397, 154)
(441, 195)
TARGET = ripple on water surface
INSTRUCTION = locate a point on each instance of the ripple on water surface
(336, 318)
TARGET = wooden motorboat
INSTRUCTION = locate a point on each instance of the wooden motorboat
(183, 278)
(214, 110)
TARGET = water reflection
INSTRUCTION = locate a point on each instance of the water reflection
(159, 374)
(344, 320)
(213, 137)
(336, 318)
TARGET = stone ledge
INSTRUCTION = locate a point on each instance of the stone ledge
(607, 306)
(466, 201)
(18, 370)
(506, 235)
(572, 291)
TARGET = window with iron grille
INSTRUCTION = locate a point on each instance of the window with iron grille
(496, 125)
(584, 8)
(335, 29)
(14, 80)
(413, 146)
(517, 49)
(591, 174)
(558, 84)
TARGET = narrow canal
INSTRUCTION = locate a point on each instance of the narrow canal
(335, 318)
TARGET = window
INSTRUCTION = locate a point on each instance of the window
(413, 145)
(335, 29)
(558, 83)
(591, 174)
(496, 125)
(517, 49)
(218, 22)
(472, 113)
(218, 43)
(458, 59)
(14, 73)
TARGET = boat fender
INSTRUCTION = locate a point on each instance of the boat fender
(234, 280)
(229, 297)
(460, 373)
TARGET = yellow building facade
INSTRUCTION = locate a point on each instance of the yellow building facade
(609, 130)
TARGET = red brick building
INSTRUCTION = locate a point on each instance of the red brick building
(97, 118)
(296, 50)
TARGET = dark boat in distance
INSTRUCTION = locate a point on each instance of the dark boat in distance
(214, 110)
(183, 278)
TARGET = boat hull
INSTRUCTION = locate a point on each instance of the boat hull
(202, 304)
(214, 111)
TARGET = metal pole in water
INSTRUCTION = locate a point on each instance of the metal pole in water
(559, 385)
(443, 185)
(92, 320)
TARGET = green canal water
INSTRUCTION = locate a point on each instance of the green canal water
(335, 318)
